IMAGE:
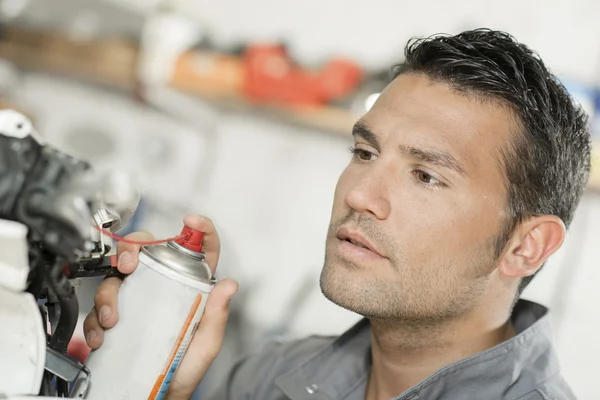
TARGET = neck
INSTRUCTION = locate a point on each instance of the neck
(405, 354)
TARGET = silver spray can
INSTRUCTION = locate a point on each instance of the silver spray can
(160, 306)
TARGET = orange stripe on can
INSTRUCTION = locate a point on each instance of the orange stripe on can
(156, 394)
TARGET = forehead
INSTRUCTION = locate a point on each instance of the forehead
(414, 110)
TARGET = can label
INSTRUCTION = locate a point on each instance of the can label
(161, 386)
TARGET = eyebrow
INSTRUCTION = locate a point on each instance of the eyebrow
(436, 157)
(361, 130)
(439, 158)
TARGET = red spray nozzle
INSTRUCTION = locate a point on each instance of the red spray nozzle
(191, 239)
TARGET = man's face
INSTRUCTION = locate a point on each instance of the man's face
(425, 193)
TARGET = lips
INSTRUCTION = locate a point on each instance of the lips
(357, 239)
(358, 244)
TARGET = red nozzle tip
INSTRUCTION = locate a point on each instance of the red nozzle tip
(191, 240)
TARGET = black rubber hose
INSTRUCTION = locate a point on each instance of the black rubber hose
(47, 389)
(62, 387)
(69, 308)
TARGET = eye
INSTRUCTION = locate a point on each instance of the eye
(362, 155)
(427, 179)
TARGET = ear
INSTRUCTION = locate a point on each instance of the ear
(532, 243)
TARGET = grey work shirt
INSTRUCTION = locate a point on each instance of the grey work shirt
(524, 367)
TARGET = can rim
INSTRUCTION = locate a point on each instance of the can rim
(212, 280)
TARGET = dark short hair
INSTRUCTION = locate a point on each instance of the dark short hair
(547, 165)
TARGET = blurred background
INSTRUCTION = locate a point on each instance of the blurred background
(242, 111)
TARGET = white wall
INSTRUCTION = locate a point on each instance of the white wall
(565, 33)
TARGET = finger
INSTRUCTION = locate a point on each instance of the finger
(208, 339)
(105, 302)
(211, 243)
(127, 253)
(92, 331)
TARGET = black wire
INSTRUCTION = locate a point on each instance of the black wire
(46, 388)
(69, 312)
(39, 261)
(62, 387)
(69, 308)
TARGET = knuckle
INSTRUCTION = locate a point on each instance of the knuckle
(103, 295)
(124, 246)
(99, 298)
(91, 320)
(141, 235)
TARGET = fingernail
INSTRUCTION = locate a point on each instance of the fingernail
(125, 258)
(105, 313)
(91, 336)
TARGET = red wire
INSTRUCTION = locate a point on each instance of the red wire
(139, 242)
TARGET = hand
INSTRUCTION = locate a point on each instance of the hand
(207, 341)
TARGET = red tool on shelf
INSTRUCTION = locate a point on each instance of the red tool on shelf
(271, 76)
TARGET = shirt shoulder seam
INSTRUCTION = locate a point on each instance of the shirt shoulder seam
(536, 390)
(488, 356)
(542, 394)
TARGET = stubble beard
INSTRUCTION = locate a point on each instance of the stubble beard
(423, 301)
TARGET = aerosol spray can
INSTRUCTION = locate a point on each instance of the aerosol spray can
(160, 306)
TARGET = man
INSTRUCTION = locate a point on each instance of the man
(464, 176)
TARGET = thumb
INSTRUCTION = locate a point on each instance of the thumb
(208, 339)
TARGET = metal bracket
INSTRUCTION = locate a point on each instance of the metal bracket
(70, 370)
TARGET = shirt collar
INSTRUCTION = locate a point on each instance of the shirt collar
(510, 367)
(337, 370)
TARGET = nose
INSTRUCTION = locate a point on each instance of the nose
(370, 195)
